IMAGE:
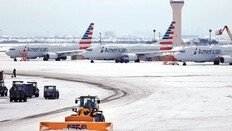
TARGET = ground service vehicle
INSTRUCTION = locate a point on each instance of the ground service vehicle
(18, 92)
(88, 117)
(50, 92)
(28, 89)
(91, 102)
(3, 89)
(35, 90)
(122, 59)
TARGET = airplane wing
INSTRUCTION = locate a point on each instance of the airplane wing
(158, 53)
(165, 45)
(61, 54)
(84, 43)
(69, 53)
(148, 53)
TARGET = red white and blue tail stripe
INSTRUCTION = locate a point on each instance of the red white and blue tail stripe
(167, 40)
(86, 40)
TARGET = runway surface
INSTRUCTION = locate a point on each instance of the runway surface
(135, 96)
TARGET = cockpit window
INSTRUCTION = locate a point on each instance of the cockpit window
(182, 51)
(90, 49)
(12, 48)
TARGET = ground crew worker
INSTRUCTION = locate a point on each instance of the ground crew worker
(14, 72)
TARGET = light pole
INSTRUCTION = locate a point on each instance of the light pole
(154, 34)
(159, 36)
(100, 37)
(210, 30)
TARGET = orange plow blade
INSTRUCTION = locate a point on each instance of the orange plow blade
(79, 118)
(71, 125)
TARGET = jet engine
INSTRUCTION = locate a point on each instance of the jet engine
(51, 55)
(226, 59)
(131, 57)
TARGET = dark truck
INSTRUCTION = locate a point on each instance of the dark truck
(35, 90)
(28, 89)
(18, 92)
(50, 92)
(3, 89)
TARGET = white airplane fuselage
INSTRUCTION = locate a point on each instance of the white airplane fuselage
(111, 52)
(52, 51)
(203, 53)
(130, 52)
(39, 50)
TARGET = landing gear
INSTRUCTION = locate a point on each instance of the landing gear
(64, 58)
(15, 59)
(184, 64)
(217, 62)
(92, 61)
(58, 59)
(45, 59)
(137, 60)
(230, 64)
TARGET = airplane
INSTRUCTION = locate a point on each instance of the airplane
(216, 54)
(52, 51)
(129, 52)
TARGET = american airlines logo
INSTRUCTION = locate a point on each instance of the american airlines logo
(41, 49)
(209, 52)
(113, 50)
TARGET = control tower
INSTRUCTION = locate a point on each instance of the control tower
(177, 8)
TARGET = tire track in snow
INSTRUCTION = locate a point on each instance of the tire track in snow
(123, 92)
(117, 94)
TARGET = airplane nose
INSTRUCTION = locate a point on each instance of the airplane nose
(84, 54)
(7, 53)
(176, 56)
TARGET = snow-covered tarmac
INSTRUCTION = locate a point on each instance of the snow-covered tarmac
(136, 96)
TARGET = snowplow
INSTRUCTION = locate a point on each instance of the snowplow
(87, 117)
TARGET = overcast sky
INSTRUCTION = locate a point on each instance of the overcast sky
(71, 17)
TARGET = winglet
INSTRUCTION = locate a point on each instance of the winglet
(167, 40)
(85, 41)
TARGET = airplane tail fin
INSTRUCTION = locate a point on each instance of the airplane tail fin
(167, 40)
(85, 41)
